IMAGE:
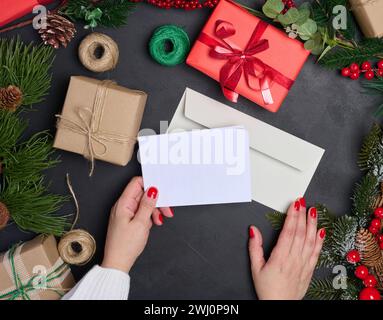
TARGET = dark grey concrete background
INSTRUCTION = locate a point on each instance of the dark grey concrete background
(202, 252)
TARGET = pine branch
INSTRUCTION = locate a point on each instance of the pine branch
(111, 13)
(364, 197)
(375, 87)
(277, 219)
(370, 147)
(342, 238)
(325, 218)
(29, 159)
(11, 129)
(32, 207)
(367, 50)
(27, 67)
(323, 289)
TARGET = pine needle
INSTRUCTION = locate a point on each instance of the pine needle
(370, 49)
(370, 147)
(27, 67)
(114, 12)
(277, 219)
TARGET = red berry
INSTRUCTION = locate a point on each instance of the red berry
(346, 72)
(369, 75)
(353, 256)
(373, 230)
(370, 281)
(366, 66)
(379, 238)
(361, 272)
(354, 67)
(369, 294)
(380, 72)
(375, 223)
(378, 213)
(381, 245)
(354, 75)
(380, 64)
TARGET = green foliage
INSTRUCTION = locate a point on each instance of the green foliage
(323, 290)
(22, 189)
(105, 13)
(370, 148)
(364, 197)
(369, 49)
(32, 207)
(276, 219)
(27, 67)
(375, 87)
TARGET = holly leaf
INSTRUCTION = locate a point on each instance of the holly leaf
(307, 30)
(291, 16)
(272, 8)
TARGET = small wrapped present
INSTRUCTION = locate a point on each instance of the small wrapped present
(34, 270)
(100, 120)
(11, 10)
(247, 56)
(369, 14)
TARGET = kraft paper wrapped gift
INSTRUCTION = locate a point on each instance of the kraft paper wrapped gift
(34, 270)
(247, 56)
(100, 120)
(369, 14)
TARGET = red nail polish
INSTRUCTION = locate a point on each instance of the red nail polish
(251, 232)
(302, 201)
(152, 192)
(313, 213)
(322, 233)
(161, 217)
(297, 205)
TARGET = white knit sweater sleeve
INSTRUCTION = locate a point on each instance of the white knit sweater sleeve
(101, 284)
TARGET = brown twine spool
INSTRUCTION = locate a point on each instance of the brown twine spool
(76, 247)
(109, 52)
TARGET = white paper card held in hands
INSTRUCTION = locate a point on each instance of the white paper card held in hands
(197, 167)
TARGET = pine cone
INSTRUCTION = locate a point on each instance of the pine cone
(58, 31)
(10, 98)
(370, 253)
(4, 215)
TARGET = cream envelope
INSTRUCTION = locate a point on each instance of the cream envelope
(282, 165)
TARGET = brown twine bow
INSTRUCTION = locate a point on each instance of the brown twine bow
(89, 128)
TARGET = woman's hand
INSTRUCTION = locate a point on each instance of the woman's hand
(288, 272)
(129, 225)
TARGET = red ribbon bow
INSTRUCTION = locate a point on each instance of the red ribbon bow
(259, 76)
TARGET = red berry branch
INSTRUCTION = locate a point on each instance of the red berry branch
(181, 4)
(354, 70)
(288, 4)
(362, 271)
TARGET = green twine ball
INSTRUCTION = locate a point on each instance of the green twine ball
(179, 45)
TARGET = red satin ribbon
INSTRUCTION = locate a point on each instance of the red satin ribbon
(259, 76)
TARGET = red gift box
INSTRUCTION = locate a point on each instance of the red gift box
(247, 56)
(11, 10)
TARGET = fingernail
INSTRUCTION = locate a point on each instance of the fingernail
(161, 217)
(152, 192)
(313, 212)
(171, 212)
(297, 205)
(322, 233)
(251, 233)
(302, 201)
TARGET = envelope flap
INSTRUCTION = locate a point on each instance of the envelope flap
(263, 137)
